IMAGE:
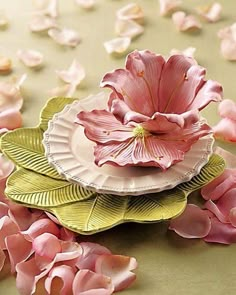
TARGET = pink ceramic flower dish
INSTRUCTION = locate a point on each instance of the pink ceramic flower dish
(152, 117)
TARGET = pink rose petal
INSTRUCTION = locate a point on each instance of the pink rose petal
(220, 185)
(211, 13)
(228, 42)
(67, 235)
(128, 28)
(39, 227)
(192, 223)
(7, 228)
(168, 6)
(74, 75)
(86, 4)
(227, 109)
(47, 245)
(30, 58)
(10, 119)
(65, 36)
(223, 233)
(6, 167)
(3, 209)
(40, 23)
(91, 251)
(229, 158)
(2, 259)
(185, 22)
(226, 130)
(232, 216)
(66, 274)
(87, 282)
(47, 7)
(117, 45)
(18, 249)
(131, 11)
(118, 268)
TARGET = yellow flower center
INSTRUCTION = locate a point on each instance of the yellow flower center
(139, 131)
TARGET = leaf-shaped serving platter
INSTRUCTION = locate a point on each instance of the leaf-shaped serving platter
(70, 152)
(38, 185)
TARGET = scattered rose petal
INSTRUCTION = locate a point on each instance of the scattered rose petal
(117, 45)
(2, 259)
(221, 232)
(226, 128)
(211, 13)
(66, 37)
(10, 94)
(7, 228)
(18, 249)
(47, 7)
(66, 90)
(169, 6)
(228, 42)
(67, 235)
(31, 58)
(229, 158)
(90, 253)
(128, 28)
(118, 268)
(192, 223)
(66, 274)
(3, 19)
(189, 51)
(39, 227)
(74, 75)
(87, 282)
(47, 245)
(131, 11)
(41, 23)
(87, 4)
(6, 167)
(5, 64)
(185, 22)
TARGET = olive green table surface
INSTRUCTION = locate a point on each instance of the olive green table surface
(168, 264)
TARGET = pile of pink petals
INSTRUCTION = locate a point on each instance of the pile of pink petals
(226, 128)
(153, 111)
(215, 222)
(44, 255)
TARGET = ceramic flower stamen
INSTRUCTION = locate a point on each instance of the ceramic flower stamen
(153, 111)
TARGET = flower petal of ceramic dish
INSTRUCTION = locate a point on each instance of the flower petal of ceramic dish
(71, 153)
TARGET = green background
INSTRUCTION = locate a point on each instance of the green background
(168, 264)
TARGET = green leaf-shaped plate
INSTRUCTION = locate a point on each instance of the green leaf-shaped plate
(36, 184)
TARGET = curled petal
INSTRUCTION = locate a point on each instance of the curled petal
(2, 259)
(47, 7)
(74, 75)
(131, 11)
(10, 119)
(67, 235)
(3, 19)
(91, 251)
(5, 64)
(19, 249)
(224, 205)
(228, 43)
(65, 36)
(211, 13)
(169, 6)
(87, 282)
(185, 22)
(118, 268)
(192, 223)
(7, 228)
(227, 109)
(6, 167)
(128, 28)
(229, 158)
(223, 233)
(102, 126)
(66, 90)
(10, 94)
(31, 58)
(220, 185)
(189, 51)
(39, 227)
(86, 4)
(226, 130)
(40, 23)
(117, 45)
(66, 274)
(47, 245)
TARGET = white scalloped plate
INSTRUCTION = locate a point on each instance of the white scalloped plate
(71, 153)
